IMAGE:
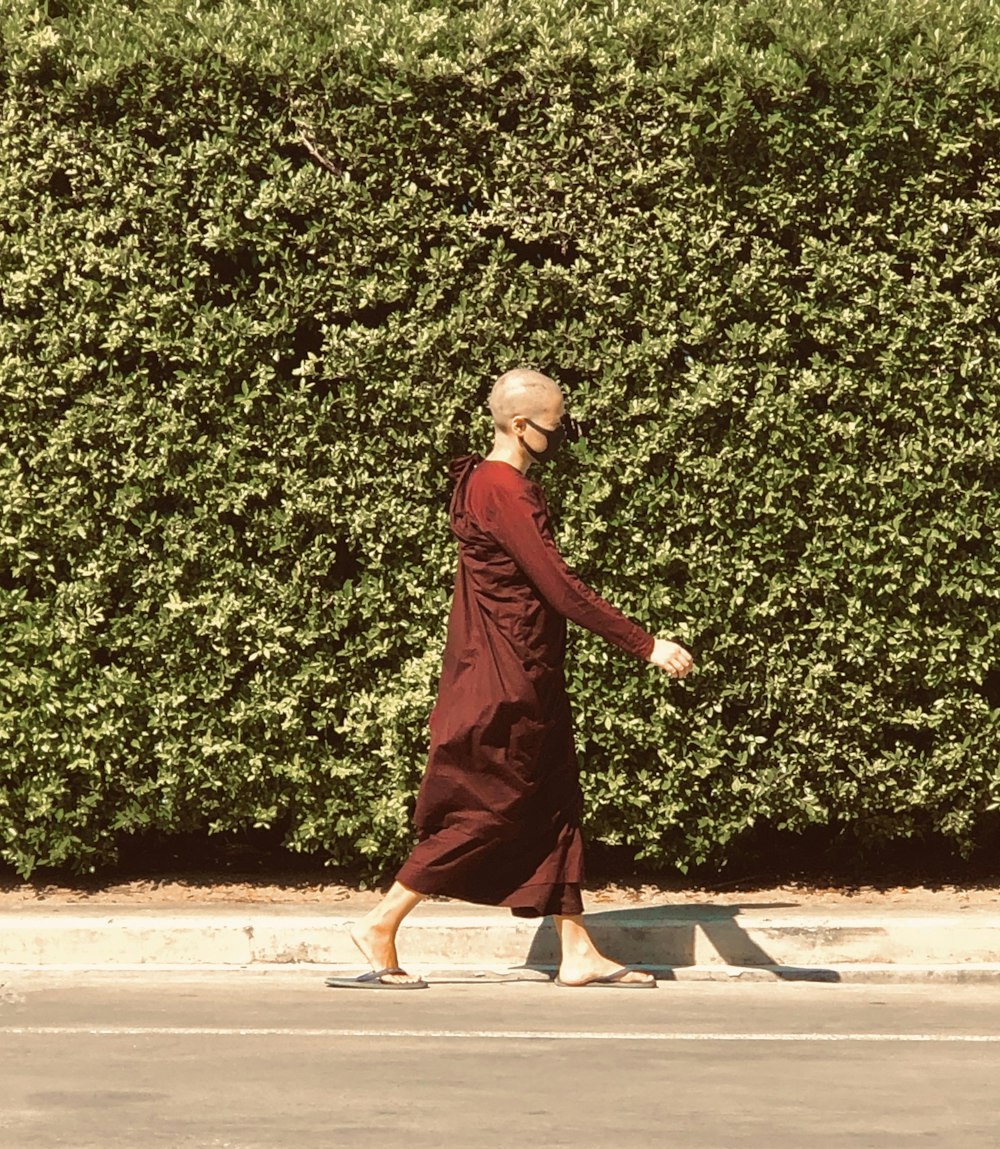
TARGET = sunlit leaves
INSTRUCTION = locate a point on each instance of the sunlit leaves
(259, 263)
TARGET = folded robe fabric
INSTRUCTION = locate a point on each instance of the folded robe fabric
(498, 813)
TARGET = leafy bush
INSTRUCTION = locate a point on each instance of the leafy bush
(259, 263)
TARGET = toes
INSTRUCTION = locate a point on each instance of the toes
(638, 975)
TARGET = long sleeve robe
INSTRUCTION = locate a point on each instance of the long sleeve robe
(498, 813)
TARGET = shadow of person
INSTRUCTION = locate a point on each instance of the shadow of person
(665, 938)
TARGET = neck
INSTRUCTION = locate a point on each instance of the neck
(508, 449)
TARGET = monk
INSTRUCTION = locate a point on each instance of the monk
(498, 813)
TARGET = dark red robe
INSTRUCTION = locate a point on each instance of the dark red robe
(498, 814)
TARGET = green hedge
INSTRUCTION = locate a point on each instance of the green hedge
(259, 263)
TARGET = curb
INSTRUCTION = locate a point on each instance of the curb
(861, 973)
(682, 943)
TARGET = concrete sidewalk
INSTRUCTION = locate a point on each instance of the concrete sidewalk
(715, 939)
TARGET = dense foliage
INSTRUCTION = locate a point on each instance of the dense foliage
(259, 263)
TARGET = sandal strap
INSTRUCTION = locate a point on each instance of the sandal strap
(620, 974)
(378, 974)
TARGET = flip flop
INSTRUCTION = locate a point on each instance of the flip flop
(374, 980)
(609, 981)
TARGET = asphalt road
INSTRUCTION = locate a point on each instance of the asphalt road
(252, 1061)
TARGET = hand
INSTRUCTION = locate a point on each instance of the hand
(674, 659)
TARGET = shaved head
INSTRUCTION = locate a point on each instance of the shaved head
(522, 392)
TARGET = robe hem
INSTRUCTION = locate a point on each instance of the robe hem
(562, 898)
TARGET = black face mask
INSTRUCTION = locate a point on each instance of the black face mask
(554, 438)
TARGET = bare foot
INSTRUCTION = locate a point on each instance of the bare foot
(581, 969)
(377, 943)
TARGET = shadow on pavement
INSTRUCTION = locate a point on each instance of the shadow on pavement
(666, 937)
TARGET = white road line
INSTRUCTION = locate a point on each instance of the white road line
(484, 1034)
